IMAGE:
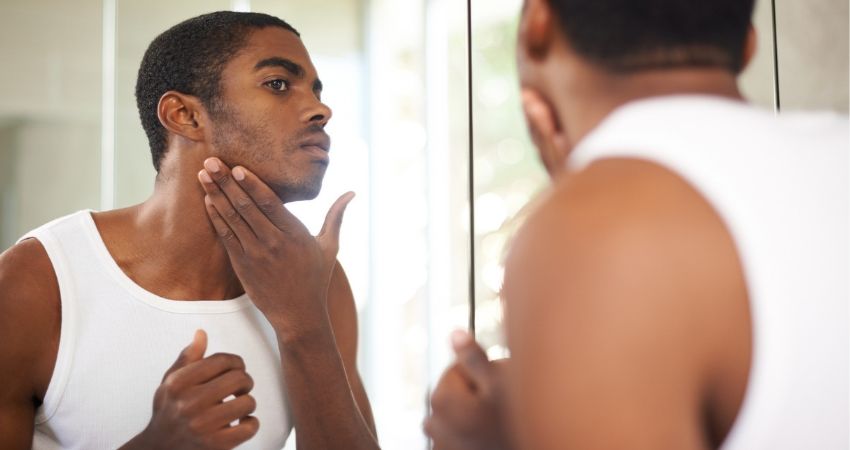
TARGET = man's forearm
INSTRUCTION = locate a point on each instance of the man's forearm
(325, 413)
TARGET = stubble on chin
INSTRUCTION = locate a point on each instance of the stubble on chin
(239, 143)
(305, 186)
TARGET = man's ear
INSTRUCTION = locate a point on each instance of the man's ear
(182, 114)
(750, 46)
(536, 28)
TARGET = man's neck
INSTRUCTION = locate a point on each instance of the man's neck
(167, 244)
(584, 102)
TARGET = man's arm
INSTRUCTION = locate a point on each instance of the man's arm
(343, 314)
(326, 395)
(30, 317)
(293, 279)
(627, 315)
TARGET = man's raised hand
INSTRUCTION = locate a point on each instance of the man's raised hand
(284, 269)
(189, 407)
(467, 406)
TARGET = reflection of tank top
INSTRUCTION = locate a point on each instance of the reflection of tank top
(780, 183)
(117, 340)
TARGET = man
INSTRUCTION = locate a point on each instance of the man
(96, 307)
(684, 284)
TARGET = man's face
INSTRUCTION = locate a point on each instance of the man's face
(269, 117)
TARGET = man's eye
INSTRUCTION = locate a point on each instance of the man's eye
(278, 85)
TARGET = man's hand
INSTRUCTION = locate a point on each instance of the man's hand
(468, 403)
(283, 268)
(189, 407)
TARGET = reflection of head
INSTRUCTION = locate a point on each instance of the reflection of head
(189, 58)
(631, 35)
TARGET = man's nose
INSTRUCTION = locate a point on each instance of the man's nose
(317, 113)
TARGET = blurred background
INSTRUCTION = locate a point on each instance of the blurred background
(395, 73)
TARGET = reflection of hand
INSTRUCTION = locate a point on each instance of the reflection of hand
(548, 136)
(467, 404)
(189, 411)
(284, 269)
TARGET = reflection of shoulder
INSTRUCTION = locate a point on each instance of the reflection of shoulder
(628, 270)
(30, 312)
(628, 202)
(635, 219)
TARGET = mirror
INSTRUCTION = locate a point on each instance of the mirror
(395, 74)
(70, 139)
(507, 171)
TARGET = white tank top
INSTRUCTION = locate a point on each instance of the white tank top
(781, 185)
(117, 340)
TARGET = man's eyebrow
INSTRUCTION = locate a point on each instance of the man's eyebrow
(290, 66)
(286, 64)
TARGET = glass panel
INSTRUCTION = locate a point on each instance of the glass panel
(399, 132)
(404, 245)
(756, 81)
(813, 54)
(508, 172)
(49, 112)
(418, 258)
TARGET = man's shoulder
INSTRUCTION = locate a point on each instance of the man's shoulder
(30, 312)
(28, 286)
(630, 236)
(626, 198)
(26, 268)
(628, 269)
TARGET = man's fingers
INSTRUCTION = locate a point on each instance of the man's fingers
(445, 436)
(213, 185)
(200, 372)
(224, 413)
(454, 397)
(263, 196)
(225, 233)
(233, 436)
(235, 382)
(437, 430)
(472, 361)
(238, 197)
(267, 201)
(329, 235)
(193, 352)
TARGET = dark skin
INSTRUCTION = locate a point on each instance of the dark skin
(658, 358)
(273, 128)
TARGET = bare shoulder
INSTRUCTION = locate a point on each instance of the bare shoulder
(626, 281)
(30, 318)
(30, 314)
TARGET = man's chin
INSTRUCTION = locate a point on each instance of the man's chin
(290, 193)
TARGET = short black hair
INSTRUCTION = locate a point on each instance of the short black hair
(632, 35)
(189, 58)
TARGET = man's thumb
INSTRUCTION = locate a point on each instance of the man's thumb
(471, 360)
(333, 221)
(193, 352)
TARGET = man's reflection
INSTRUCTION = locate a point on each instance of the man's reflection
(683, 285)
(97, 306)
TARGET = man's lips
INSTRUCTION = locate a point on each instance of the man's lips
(320, 141)
(318, 146)
(319, 154)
